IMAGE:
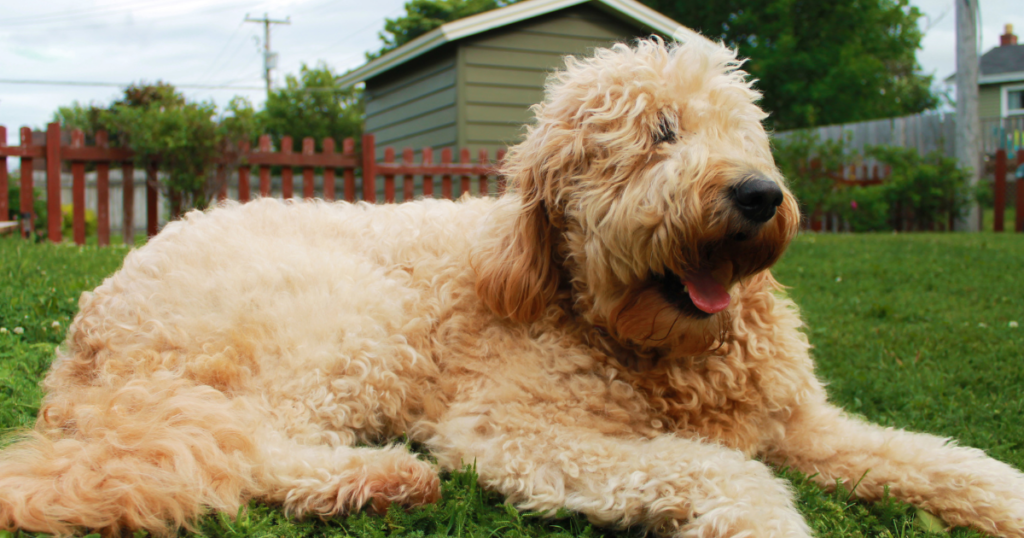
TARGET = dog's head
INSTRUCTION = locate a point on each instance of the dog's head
(647, 185)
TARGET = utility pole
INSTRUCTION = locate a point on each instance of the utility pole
(968, 127)
(269, 58)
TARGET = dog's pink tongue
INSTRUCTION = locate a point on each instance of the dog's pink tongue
(706, 293)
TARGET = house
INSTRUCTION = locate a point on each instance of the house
(470, 83)
(1001, 79)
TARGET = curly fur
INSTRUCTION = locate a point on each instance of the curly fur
(249, 351)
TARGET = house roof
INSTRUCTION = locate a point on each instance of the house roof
(1002, 64)
(628, 10)
(999, 65)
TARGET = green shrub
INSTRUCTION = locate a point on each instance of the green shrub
(38, 204)
(68, 224)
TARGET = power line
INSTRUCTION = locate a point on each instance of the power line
(119, 84)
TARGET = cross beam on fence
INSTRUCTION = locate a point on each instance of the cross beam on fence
(264, 157)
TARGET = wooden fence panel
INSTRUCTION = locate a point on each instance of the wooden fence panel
(152, 208)
(1019, 205)
(369, 169)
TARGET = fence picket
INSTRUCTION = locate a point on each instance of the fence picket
(348, 149)
(328, 145)
(308, 180)
(78, 190)
(428, 180)
(389, 179)
(369, 169)
(464, 159)
(4, 201)
(264, 147)
(244, 190)
(53, 210)
(446, 179)
(482, 185)
(102, 193)
(128, 202)
(407, 181)
(501, 178)
(152, 208)
(287, 180)
(999, 188)
(27, 202)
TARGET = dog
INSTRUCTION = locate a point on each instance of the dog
(606, 338)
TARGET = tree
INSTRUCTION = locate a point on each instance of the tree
(314, 105)
(818, 62)
(422, 16)
(161, 126)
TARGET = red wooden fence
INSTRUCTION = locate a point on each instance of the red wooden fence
(329, 160)
(999, 191)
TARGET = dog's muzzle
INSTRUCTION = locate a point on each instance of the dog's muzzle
(756, 198)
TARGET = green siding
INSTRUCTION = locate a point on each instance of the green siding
(504, 70)
(415, 106)
(476, 93)
(989, 102)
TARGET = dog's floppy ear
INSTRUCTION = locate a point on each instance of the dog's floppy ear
(516, 273)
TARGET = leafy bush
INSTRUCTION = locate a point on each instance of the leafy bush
(919, 191)
(68, 221)
(38, 204)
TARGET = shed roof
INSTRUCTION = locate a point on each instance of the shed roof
(629, 10)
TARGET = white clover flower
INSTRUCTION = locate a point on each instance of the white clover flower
(982, 325)
(839, 279)
(1013, 325)
(3, 330)
(55, 325)
(18, 330)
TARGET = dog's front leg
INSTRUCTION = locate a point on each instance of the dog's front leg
(962, 485)
(672, 485)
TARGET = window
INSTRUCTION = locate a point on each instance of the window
(1013, 100)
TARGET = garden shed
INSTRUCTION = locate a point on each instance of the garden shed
(470, 83)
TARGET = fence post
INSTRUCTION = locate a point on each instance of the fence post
(428, 179)
(152, 222)
(1019, 207)
(287, 183)
(53, 210)
(464, 183)
(27, 198)
(222, 183)
(446, 180)
(102, 193)
(483, 161)
(999, 191)
(407, 187)
(78, 191)
(128, 202)
(348, 147)
(244, 191)
(389, 179)
(500, 157)
(328, 171)
(308, 181)
(4, 202)
(369, 169)
(264, 168)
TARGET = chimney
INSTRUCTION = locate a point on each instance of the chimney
(1008, 38)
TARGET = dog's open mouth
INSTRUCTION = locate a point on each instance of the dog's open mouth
(698, 294)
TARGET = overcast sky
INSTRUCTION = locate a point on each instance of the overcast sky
(206, 42)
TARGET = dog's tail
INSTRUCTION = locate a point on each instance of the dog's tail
(146, 455)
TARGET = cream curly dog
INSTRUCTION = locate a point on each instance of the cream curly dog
(607, 338)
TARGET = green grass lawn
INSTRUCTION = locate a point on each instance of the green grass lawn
(910, 330)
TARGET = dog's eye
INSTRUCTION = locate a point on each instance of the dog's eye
(665, 133)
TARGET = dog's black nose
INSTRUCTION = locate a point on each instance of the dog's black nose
(757, 198)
